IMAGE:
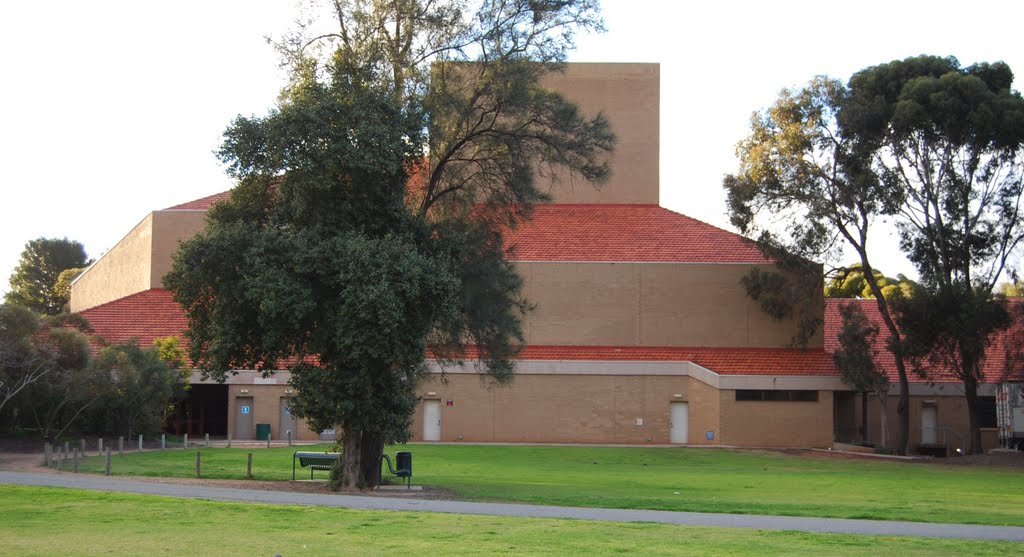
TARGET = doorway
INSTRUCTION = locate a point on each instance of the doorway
(929, 421)
(244, 410)
(679, 426)
(431, 420)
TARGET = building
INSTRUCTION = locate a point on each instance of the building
(642, 332)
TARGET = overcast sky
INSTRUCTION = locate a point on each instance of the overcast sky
(112, 109)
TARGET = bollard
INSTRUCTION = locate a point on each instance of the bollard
(76, 460)
(106, 470)
(67, 447)
(82, 444)
(186, 440)
(289, 438)
(197, 464)
(163, 441)
(229, 440)
(248, 467)
(140, 442)
(120, 444)
(207, 440)
(99, 447)
(47, 451)
(268, 440)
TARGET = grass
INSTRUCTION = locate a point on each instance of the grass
(48, 521)
(678, 479)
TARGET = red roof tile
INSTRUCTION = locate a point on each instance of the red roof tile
(625, 233)
(146, 315)
(994, 366)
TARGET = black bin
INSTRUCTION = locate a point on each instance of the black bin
(403, 462)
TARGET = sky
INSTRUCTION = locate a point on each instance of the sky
(112, 109)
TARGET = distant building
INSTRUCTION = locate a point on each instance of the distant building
(641, 334)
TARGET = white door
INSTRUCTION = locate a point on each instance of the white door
(431, 420)
(929, 421)
(679, 427)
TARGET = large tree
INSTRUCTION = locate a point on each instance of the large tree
(330, 260)
(948, 140)
(922, 142)
(34, 283)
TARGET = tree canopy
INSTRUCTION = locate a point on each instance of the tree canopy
(849, 282)
(366, 226)
(924, 143)
(34, 283)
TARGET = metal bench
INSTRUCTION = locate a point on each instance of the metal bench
(314, 461)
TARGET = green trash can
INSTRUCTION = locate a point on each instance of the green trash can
(262, 432)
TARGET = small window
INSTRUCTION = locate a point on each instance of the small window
(776, 395)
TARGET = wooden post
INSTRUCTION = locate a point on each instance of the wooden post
(82, 443)
(207, 440)
(107, 469)
(197, 464)
(99, 447)
(67, 447)
(248, 467)
(163, 441)
(229, 440)
(268, 440)
(186, 440)
(289, 438)
(140, 442)
(120, 444)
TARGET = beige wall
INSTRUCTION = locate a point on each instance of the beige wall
(122, 271)
(776, 423)
(265, 410)
(647, 304)
(951, 413)
(170, 228)
(604, 409)
(628, 95)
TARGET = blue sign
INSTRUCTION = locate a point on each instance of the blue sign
(245, 409)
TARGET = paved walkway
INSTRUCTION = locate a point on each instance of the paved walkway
(828, 525)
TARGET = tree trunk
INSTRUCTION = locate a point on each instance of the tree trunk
(864, 417)
(971, 393)
(883, 400)
(352, 443)
(372, 448)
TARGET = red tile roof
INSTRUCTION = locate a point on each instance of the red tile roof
(146, 315)
(201, 204)
(625, 233)
(610, 233)
(994, 366)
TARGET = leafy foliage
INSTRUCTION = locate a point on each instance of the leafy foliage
(34, 283)
(849, 282)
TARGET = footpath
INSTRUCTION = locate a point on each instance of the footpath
(764, 522)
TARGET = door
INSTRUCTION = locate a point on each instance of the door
(431, 420)
(287, 421)
(243, 417)
(679, 427)
(929, 420)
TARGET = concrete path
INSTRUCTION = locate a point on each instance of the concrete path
(827, 525)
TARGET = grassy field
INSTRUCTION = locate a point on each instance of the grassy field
(51, 521)
(677, 479)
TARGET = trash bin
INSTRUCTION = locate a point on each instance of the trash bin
(262, 432)
(403, 462)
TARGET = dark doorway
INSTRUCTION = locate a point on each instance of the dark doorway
(203, 410)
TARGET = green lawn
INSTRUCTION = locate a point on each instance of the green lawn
(51, 521)
(708, 480)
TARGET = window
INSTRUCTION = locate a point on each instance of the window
(987, 411)
(783, 396)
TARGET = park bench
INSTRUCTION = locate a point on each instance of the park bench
(314, 461)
